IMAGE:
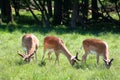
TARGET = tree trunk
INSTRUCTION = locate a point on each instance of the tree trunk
(94, 9)
(74, 14)
(37, 20)
(85, 4)
(0, 18)
(49, 7)
(6, 11)
(45, 14)
(57, 12)
(16, 7)
(117, 10)
(67, 4)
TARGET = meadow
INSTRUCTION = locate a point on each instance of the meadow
(12, 67)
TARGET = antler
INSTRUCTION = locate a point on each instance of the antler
(19, 53)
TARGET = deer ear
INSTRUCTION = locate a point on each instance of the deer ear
(77, 54)
(111, 60)
(76, 57)
(20, 54)
(104, 60)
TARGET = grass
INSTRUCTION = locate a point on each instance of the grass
(12, 67)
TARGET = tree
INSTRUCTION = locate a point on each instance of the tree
(57, 12)
(74, 14)
(6, 11)
(116, 6)
(16, 7)
(67, 6)
(85, 5)
(49, 7)
(94, 9)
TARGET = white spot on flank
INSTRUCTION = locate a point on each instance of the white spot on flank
(93, 52)
(51, 50)
(25, 49)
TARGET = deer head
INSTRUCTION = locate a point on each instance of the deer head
(26, 57)
(74, 59)
(108, 63)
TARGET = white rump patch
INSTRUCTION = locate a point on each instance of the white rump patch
(93, 52)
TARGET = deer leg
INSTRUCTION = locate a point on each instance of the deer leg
(36, 53)
(35, 56)
(84, 57)
(57, 57)
(86, 53)
(49, 53)
(97, 57)
(43, 54)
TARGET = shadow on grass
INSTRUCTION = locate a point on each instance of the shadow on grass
(59, 29)
(81, 66)
(42, 64)
(20, 62)
(25, 19)
(89, 66)
(26, 23)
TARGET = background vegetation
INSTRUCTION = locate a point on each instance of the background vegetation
(73, 14)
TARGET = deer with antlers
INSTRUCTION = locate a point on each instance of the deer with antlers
(30, 43)
(99, 47)
(55, 44)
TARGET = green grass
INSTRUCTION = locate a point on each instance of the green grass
(12, 67)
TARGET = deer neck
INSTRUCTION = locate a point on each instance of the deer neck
(106, 55)
(66, 52)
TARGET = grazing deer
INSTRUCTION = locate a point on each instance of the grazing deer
(55, 44)
(99, 47)
(30, 43)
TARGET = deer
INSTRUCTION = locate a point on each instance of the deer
(99, 47)
(30, 44)
(56, 45)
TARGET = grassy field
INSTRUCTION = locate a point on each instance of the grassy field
(12, 67)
